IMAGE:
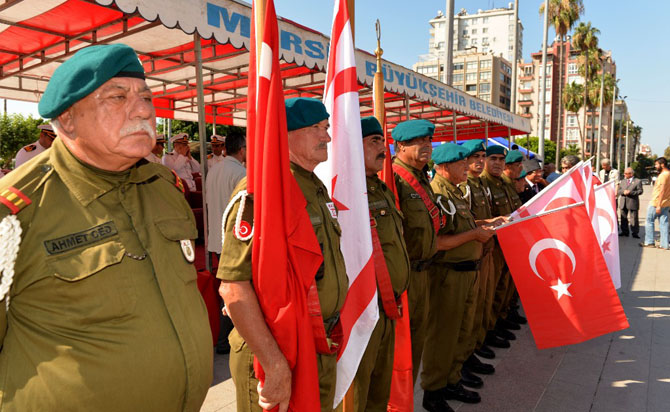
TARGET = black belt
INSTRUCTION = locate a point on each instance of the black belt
(330, 323)
(420, 265)
(466, 266)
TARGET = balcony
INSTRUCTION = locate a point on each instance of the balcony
(525, 102)
(529, 77)
(526, 115)
(526, 90)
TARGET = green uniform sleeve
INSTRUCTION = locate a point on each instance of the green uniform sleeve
(235, 263)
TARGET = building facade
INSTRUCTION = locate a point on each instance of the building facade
(570, 128)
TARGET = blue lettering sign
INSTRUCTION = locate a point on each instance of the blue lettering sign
(288, 39)
(314, 49)
(217, 13)
(370, 68)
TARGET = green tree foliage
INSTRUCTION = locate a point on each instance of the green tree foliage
(16, 131)
(571, 149)
(643, 166)
(666, 153)
(533, 143)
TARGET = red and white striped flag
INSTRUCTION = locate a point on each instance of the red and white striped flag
(344, 175)
(608, 228)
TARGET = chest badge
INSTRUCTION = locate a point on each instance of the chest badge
(243, 231)
(187, 250)
(332, 209)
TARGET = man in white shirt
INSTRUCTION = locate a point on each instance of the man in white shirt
(217, 143)
(607, 173)
(47, 136)
(221, 180)
(180, 160)
(157, 152)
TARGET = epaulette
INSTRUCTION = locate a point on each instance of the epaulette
(178, 183)
(21, 184)
(209, 156)
(30, 147)
(14, 199)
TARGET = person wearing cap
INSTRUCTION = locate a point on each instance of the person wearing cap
(44, 142)
(512, 170)
(217, 143)
(103, 312)
(421, 220)
(479, 199)
(453, 286)
(372, 385)
(158, 150)
(532, 181)
(180, 160)
(520, 182)
(307, 123)
(502, 204)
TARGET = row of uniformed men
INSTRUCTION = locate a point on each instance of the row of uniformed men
(439, 246)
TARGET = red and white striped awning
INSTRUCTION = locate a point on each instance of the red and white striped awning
(38, 35)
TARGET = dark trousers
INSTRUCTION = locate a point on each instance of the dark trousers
(226, 325)
(629, 217)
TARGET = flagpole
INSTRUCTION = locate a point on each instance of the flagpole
(202, 132)
(546, 212)
(379, 81)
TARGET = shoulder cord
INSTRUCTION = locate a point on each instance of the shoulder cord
(10, 238)
(452, 209)
(242, 197)
(468, 194)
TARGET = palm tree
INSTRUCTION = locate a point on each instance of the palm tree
(572, 102)
(585, 40)
(563, 15)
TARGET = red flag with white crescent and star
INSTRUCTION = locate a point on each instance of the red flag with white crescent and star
(561, 276)
(608, 228)
(285, 254)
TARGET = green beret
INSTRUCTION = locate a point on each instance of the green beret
(474, 146)
(84, 72)
(370, 125)
(412, 129)
(448, 153)
(303, 112)
(513, 156)
(522, 175)
(495, 149)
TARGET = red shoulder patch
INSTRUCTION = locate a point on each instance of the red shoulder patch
(178, 183)
(14, 199)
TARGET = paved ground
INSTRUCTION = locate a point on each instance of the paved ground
(623, 371)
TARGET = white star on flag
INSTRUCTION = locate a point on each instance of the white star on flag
(562, 289)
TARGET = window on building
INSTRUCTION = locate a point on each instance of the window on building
(471, 88)
(458, 86)
(502, 77)
(571, 121)
(440, 45)
(473, 42)
(485, 49)
(484, 75)
(473, 31)
(485, 64)
(484, 87)
(525, 85)
(458, 78)
(465, 32)
(485, 29)
(485, 20)
(502, 100)
(528, 71)
(526, 110)
(471, 77)
(486, 97)
(458, 66)
(485, 40)
(471, 66)
(474, 21)
(573, 68)
(524, 97)
(503, 88)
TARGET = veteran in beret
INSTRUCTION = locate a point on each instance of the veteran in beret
(307, 122)
(453, 280)
(180, 160)
(421, 221)
(479, 198)
(99, 307)
(27, 152)
(158, 150)
(372, 386)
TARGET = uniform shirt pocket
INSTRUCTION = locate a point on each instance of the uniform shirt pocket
(174, 230)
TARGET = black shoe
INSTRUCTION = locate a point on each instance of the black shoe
(508, 324)
(459, 393)
(485, 352)
(625, 235)
(514, 316)
(435, 401)
(504, 333)
(470, 380)
(474, 365)
(636, 236)
(222, 349)
(496, 341)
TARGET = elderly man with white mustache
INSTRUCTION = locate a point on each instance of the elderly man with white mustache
(99, 308)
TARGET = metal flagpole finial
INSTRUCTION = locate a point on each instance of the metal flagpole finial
(378, 51)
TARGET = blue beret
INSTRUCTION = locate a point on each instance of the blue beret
(448, 153)
(474, 146)
(412, 129)
(513, 156)
(84, 72)
(370, 125)
(495, 149)
(303, 112)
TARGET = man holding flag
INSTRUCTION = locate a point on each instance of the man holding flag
(373, 379)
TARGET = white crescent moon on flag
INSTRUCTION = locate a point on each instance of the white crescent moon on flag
(607, 217)
(549, 243)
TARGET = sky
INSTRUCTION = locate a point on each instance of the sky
(633, 31)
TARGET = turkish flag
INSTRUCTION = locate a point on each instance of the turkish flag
(286, 254)
(561, 277)
(608, 228)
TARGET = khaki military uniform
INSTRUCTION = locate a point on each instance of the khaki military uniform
(104, 312)
(420, 239)
(478, 197)
(331, 281)
(502, 204)
(372, 385)
(516, 203)
(453, 293)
